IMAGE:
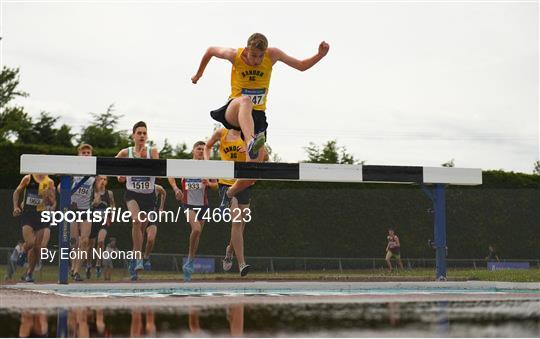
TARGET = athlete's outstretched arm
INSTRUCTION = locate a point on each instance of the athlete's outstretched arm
(278, 55)
(210, 143)
(218, 52)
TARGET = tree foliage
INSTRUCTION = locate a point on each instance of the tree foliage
(330, 153)
(102, 131)
(13, 120)
(17, 126)
(9, 80)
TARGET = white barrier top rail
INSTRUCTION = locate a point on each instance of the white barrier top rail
(77, 165)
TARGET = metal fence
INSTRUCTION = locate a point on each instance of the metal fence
(173, 263)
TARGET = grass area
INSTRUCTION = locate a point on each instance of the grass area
(50, 274)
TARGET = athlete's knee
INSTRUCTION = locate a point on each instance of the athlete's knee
(196, 230)
(73, 242)
(245, 101)
(151, 232)
(237, 226)
(137, 224)
(85, 241)
(30, 244)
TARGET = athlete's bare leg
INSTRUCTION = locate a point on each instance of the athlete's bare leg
(28, 237)
(241, 185)
(239, 114)
(237, 233)
(74, 241)
(33, 255)
(137, 229)
(86, 228)
(101, 244)
(196, 230)
(151, 232)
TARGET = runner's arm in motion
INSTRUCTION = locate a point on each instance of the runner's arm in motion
(22, 185)
(177, 192)
(278, 55)
(51, 195)
(111, 198)
(210, 143)
(212, 183)
(218, 52)
(154, 153)
(162, 195)
(122, 154)
(97, 199)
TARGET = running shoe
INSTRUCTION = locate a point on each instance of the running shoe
(131, 266)
(227, 263)
(255, 145)
(77, 277)
(39, 266)
(28, 278)
(147, 264)
(21, 259)
(244, 269)
(188, 269)
(139, 266)
(131, 269)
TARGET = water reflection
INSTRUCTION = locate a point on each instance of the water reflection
(33, 324)
(393, 319)
(140, 328)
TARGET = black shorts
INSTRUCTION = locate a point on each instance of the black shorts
(33, 219)
(146, 201)
(259, 119)
(243, 197)
(96, 227)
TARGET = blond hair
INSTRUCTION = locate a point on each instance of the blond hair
(257, 41)
(83, 146)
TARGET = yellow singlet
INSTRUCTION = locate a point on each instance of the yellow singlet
(252, 81)
(42, 188)
(232, 151)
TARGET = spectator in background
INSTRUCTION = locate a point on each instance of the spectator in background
(393, 249)
(492, 255)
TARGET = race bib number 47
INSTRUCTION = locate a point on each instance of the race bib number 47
(256, 95)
